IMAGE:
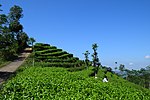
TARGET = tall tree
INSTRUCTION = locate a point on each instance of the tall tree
(15, 13)
(14, 20)
(96, 62)
(12, 37)
(16, 28)
(22, 39)
(7, 43)
(86, 54)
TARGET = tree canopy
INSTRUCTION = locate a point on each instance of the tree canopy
(12, 37)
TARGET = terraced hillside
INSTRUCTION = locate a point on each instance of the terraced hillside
(55, 83)
(52, 56)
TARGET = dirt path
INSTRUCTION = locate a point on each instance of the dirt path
(9, 69)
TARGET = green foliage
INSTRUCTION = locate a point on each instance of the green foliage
(47, 51)
(51, 56)
(70, 60)
(15, 27)
(140, 77)
(3, 19)
(15, 13)
(12, 38)
(121, 67)
(59, 64)
(57, 83)
(86, 54)
(55, 53)
(96, 62)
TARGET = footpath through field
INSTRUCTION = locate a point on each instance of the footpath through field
(9, 69)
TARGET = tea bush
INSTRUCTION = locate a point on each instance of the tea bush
(58, 84)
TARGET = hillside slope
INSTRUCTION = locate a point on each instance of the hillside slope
(59, 84)
(52, 56)
(46, 82)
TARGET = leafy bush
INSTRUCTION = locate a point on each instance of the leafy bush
(71, 60)
(59, 84)
(55, 53)
(60, 64)
(66, 56)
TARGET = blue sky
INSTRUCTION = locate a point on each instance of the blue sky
(121, 28)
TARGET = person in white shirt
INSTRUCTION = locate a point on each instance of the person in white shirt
(105, 79)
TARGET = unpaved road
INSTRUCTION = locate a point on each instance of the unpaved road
(9, 69)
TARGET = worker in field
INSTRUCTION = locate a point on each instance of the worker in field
(105, 79)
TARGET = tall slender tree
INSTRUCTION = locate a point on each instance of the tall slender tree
(86, 54)
(14, 20)
(96, 62)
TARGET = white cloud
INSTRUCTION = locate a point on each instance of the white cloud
(130, 64)
(147, 57)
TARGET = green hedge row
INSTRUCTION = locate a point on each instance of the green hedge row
(41, 44)
(40, 48)
(70, 60)
(47, 51)
(55, 53)
(45, 57)
(66, 56)
(66, 65)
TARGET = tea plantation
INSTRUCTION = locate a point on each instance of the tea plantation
(52, 56)
(57, 83)
(50, 83)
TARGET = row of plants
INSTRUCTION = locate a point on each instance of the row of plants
(71, 60)
(51, 56)
(58, 53)
(44, 47)
(60, 64)
(48, 51)
(43, 57)
(42, 44)
(59, 84)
